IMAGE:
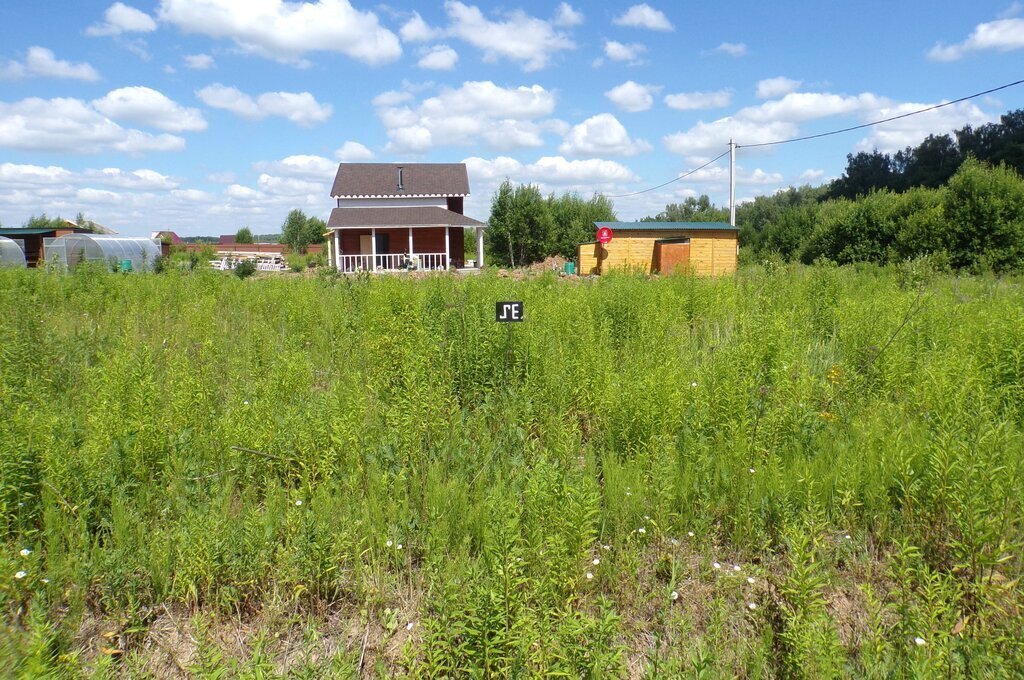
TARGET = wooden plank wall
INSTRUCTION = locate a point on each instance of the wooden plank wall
(711, 252)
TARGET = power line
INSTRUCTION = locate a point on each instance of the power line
(822, 134)
(683, 176)
(884, 120)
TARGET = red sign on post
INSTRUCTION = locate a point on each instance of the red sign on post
(604, 235)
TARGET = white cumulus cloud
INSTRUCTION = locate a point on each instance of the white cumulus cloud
(417, 30)
(146, 106)
(438, 58)
(503, 118)
(199, 62)
(617, 51)
(351, 152)
(120, 18)
(43, 63)
(300, 167)
(567, 16)
(770, 88)
(300, 108)
(71, 126)
(519, 37)
(601, 135)
(693, 101)
(1002, 35)
(632, 96)
(732, 49)
(286, 31)
(644, 16)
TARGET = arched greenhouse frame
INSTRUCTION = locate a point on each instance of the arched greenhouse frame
(11, 254)
(125, 253)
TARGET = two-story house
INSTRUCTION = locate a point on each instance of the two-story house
(401, 217)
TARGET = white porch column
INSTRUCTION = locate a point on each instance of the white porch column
(447, 248)
(330, 248)
(373, 248)
(410, 242)
(337, 249)
(480, 247)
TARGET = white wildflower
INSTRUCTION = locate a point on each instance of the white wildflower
(246, 402)
(399, 546)
(389, 543)
(590, 575)
(45, 580)
(919, 641)
(750, 580)
(750, 470)
(25, 552)
(641, 530)
(596, 562)
(847, 537)
(606, 547)
(675, 541)
(716, 565)
(751, 606)
(736, 567)
(693, 384)
(674, 595)
(690, 534)
(409, 625)
(298, 502)
(20, 574)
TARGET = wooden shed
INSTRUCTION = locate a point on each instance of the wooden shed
(705, 248)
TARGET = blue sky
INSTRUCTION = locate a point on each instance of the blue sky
(203, 116)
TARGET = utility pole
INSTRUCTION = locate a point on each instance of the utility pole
(732, 183)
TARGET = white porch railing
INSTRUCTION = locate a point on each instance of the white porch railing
(396, 262)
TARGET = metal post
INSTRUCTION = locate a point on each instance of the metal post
(508, 349)
(732, 183)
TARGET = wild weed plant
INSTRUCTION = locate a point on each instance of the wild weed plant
(795, 472)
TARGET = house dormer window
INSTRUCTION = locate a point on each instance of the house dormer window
(400, 187)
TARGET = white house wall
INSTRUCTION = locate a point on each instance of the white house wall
(410, 202)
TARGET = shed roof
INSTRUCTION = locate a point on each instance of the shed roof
(421, 216)
(418, 179)
(15, 232)
(668, 226)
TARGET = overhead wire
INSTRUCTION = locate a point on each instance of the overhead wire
(682, 176)
(883, 120)
(823, 134)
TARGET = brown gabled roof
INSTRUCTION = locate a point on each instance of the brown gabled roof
(425, 216)
(418, 179)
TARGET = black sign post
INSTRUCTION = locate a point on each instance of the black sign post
(508, 312)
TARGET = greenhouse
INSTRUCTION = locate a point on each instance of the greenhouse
(11, 254)
(124, 253)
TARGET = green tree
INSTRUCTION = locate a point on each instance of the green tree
(243, 235)
(691, 210)
(298, 230)
(520, 226)
(573, 219)
(984, 211)
(43, 222)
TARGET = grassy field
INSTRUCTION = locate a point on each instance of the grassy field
(796, 472)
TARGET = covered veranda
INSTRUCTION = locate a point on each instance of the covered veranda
(401, 239)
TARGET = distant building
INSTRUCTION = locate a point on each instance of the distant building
(167, 237)
(704, 248)
(33, 241)
(398, 217)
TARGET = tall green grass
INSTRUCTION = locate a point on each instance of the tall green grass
(345, 464)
